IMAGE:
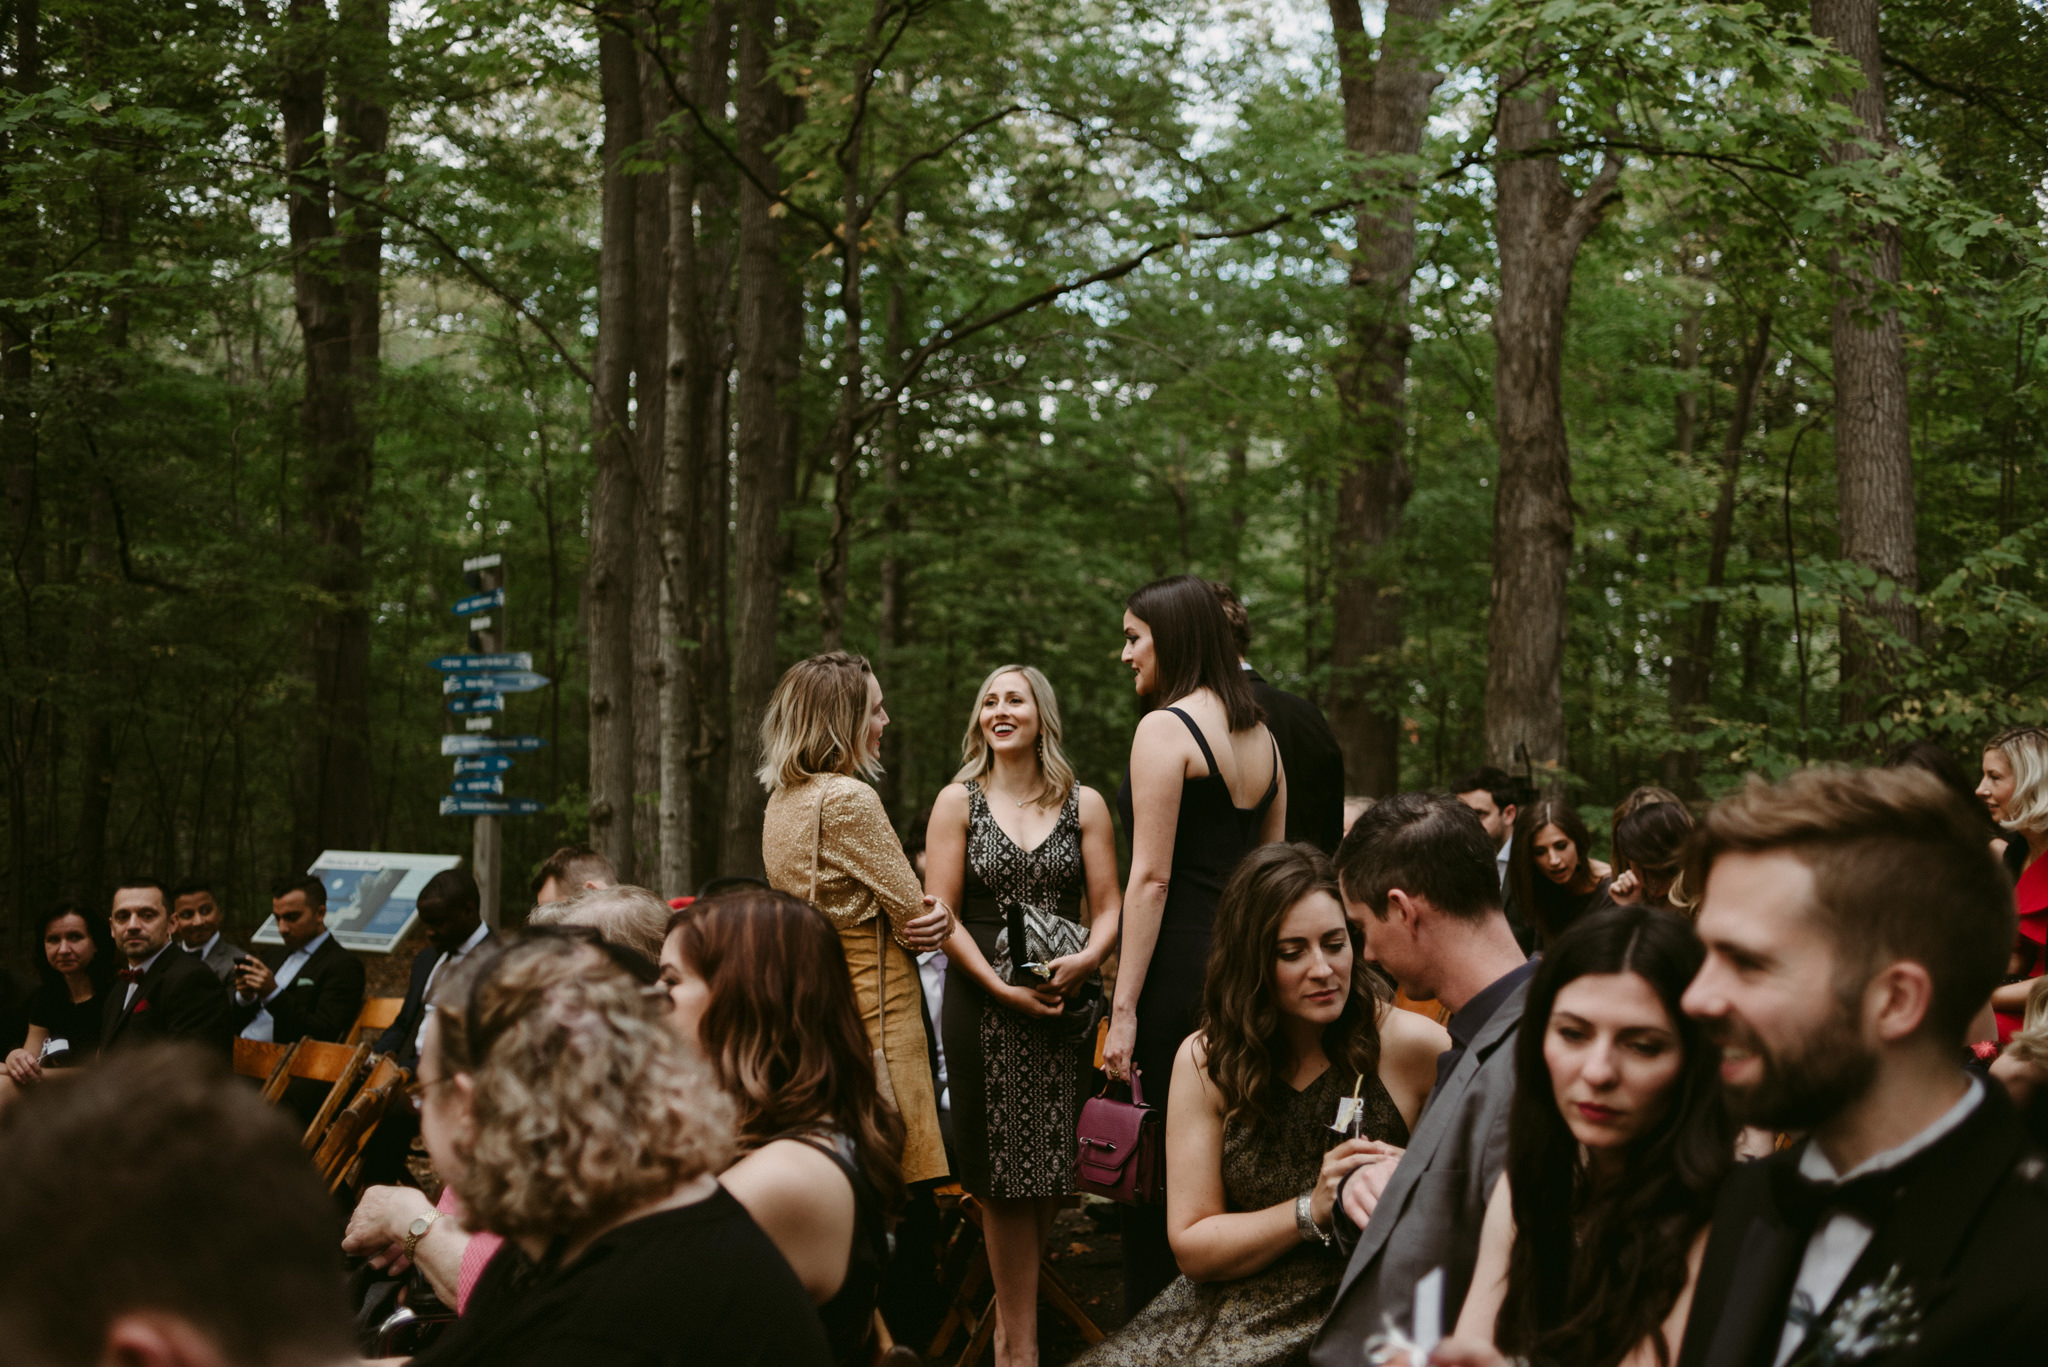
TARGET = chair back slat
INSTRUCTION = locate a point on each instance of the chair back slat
(377, 1016)
(319, 1064)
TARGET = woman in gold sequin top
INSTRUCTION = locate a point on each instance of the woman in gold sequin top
(827, 839)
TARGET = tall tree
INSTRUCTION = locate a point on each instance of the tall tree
(1386, 104)
(1540, 224)
(1873, 442)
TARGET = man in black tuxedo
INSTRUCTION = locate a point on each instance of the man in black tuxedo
(449, 912)
(1308, 748)
(159, 996)
(309, 987)
(1495, 795)
(1854, 923)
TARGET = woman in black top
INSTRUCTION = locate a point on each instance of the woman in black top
(559, 1104)
(1551, 867)
(757, 980)
(1205, 787)
(64, 1010)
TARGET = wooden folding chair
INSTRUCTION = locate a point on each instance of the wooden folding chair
(338, 1159)
(375, 1018)
(271, 1062)
(963, 1268)
(335, 1064)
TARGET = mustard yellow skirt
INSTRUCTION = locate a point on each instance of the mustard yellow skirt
(910, 1071)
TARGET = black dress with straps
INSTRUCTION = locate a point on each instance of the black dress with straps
(1210, 837)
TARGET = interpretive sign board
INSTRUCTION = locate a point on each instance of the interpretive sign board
(371, 896)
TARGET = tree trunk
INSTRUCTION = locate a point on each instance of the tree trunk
(892, 608)
(1692, 671)
(766, 361)
(335, 268)
(609, 588)
(1873, 449)
(650, 425)
(1386, 103)
(1540, 225)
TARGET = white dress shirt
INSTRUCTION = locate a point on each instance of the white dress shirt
(1842, 1237)
(144, 967)
(204, 949)
(931, 972)
(454, 956)
(1500, 859)
(263, 1028)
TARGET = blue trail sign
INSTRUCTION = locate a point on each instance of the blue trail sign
(483, 764)
(489, 745)
(477, 602)
(485, 702)
(484, 664)
(512, 681)
(491, 784)
(489, 806)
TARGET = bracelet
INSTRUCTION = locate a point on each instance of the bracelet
(1305, 1221)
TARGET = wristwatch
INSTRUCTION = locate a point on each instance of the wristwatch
(417, 1231)
(1305, 1221)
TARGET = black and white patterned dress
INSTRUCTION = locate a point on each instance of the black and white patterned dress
(1016, 1080)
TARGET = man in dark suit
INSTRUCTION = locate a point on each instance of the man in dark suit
(195, 920)
(1854, 923)
(1416, 870)
(1308, 748)
(449, 913)
(159, 995)
(309, 987)
(1495, 797)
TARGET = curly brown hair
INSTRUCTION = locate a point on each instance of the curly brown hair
(586, 1104)
(1241, 1022)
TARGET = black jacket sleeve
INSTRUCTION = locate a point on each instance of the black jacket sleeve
(328, 1006)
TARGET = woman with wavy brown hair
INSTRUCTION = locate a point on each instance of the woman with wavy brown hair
(758, 982)
(559, 1104)
(1294, 1043)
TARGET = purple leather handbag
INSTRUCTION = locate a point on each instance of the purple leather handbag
(1122, 1150)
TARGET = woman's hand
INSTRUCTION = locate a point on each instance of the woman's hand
(378, 1226)
(24, 1067)
(931, 930)
(1457, 1352)
(1032, 1001)
(1122, 1042)
(1626, 889)
(1338, 1164)
(1071, 972)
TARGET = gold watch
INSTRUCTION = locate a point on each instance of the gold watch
(417, 1231)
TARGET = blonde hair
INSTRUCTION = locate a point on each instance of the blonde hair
(587, 1105)
(624, 915)
(2030, 1043)
(2026, 749)
(976, 758)
(817, 722)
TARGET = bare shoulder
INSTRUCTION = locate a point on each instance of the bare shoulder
(951, 803)
(785, 1175)
(1093, 807)
(1192, 1061)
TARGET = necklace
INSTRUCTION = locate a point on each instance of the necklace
(1019, 801)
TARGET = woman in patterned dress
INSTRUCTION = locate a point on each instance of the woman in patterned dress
(1293, 1043)
(1014, 827)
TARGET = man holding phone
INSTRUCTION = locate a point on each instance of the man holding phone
(307, 988)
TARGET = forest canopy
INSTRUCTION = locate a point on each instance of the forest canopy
(1620, 391)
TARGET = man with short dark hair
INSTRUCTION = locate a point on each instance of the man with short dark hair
(195, 920)
(158, 1212)
(1416, 871)
(1855, 922)
(1308, 748)
(158, 995)
(448, 912)
(570, 870)
(309, 987)
(1496, 797)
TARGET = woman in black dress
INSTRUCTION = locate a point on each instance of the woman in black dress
(1205, 786)
(64, 1010)
(1015, 829)
(1551, 868)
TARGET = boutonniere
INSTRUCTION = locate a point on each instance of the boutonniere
(1872, 1320)
(303, 982)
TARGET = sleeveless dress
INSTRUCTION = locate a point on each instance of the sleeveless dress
(849, 1316)
(1270, 1316)
(1016, 1080)
(1210, 838)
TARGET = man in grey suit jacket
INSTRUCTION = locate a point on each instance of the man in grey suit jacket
(195, 921)
(1417, 872)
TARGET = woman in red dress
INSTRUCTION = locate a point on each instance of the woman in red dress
(2015, 790)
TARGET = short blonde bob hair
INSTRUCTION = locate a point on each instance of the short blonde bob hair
(624, 915)
(2026, 749)
(586, 1103)
(976, 758)
(817, 722)
(2030, 1043)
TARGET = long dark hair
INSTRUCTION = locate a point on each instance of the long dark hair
(1549, 907)
(781, 1027)
(1597, 1266)
(104, 960)
(1246, 1047)
(1192, 647)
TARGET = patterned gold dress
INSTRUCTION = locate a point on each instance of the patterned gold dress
(1268, 1317)
(862, 874)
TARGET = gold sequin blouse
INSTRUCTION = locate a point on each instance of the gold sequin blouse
(861, 865)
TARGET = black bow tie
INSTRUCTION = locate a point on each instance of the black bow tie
(1804, 1202)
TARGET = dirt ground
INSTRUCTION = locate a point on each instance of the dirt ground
(1089, 1258)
